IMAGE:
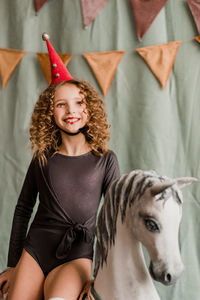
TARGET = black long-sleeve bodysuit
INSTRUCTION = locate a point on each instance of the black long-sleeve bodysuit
(70, 188)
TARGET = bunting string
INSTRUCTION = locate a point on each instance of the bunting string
(144, 12)
(160, 59)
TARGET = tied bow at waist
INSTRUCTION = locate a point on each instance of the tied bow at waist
(70, 236)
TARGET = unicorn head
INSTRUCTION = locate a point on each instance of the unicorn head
(155, 221)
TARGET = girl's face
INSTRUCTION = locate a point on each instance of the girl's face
(70, 112)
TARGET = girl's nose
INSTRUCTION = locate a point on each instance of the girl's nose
(70, 109)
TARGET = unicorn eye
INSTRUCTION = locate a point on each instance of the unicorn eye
(151, 225)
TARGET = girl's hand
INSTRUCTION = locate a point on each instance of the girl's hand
(5, 278)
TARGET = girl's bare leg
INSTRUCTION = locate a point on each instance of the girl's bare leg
(67, 280)
(27, 280)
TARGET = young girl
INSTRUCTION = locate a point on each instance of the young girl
(71, 168)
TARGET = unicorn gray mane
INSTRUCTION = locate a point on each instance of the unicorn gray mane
(123, 192)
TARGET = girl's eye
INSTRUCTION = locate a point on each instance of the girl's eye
(60, 105)
(80, 102)
(151, 225)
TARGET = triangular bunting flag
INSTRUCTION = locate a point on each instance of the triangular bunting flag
(194, 6)
(9, 59)
(43, 59)
(90, 9)
(104, 66)
(144, 14)
(160, 59)
(39, 4)
(197, 38)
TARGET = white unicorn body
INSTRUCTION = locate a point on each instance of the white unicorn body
(140, 208)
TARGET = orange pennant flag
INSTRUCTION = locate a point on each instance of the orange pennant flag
(9, 59)
(44, 61)
(160, 59)
(104, 66)
(197, 38)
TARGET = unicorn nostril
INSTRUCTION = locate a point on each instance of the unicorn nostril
(168, 278)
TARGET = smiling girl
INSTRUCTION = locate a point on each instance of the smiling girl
(71, 169)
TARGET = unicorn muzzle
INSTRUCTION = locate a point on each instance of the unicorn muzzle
(163, 274)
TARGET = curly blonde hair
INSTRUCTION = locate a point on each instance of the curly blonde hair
(45, 136)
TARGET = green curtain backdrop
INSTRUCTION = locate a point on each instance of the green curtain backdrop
(151, 128)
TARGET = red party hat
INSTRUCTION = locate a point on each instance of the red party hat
(58, 70)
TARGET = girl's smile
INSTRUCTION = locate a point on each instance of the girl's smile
(71, 120)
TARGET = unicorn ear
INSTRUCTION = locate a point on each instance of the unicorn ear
(184, 181)
(160, 187)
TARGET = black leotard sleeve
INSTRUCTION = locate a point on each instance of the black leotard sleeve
(22, 215)
(112, 171)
